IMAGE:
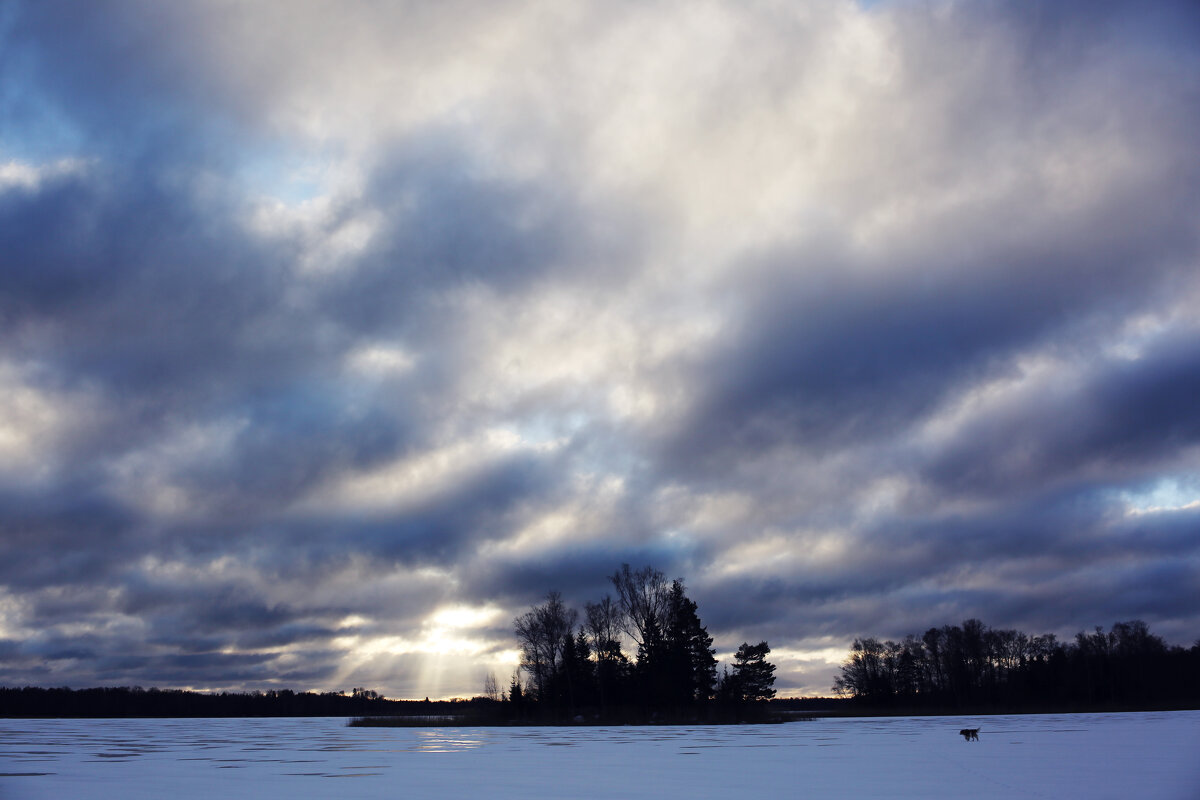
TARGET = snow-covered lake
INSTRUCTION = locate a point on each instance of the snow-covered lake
(1094, 756)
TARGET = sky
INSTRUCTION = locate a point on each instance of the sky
(333, 336)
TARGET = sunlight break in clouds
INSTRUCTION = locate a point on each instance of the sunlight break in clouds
(323, 324)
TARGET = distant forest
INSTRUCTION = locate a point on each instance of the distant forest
(577, 670)
(135, 701)
(974, 666)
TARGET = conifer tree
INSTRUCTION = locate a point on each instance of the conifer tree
(753, 676)
(691, 661)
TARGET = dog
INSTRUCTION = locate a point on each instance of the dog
(970, 734)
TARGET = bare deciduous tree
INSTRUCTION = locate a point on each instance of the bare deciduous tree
(604, 629)
(543, 632)
(491, 689)
(642, 596)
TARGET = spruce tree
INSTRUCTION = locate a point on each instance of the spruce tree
(692, 665)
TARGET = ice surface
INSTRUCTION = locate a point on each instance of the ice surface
(1093, 756)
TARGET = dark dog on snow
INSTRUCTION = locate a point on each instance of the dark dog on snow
(970, 734)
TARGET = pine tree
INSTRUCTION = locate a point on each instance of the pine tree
(753, 676)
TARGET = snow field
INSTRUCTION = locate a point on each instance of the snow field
(1151, 756)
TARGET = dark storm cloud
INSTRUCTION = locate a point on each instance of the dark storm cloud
(187, 669)
(62, 537)
(469, 515)
(579, 571)
(448, 225)
(1044, 564)
(1126, 417)
(830, 350)
(137, 292)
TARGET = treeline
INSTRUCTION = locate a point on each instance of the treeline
(576, 666)
(974, 666)
(137, 702)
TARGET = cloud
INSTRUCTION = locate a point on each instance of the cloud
(318, 324)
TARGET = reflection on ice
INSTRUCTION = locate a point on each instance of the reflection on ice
(446, 740)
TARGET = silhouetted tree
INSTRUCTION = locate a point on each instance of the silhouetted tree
(863, 671)
(577, 673)
(516, 696)
(545, 634)
(491, 689)
(934, 672)
(604, 633)
(642, 598)
(973, 665)
(650, 667)
(574, 669)
(691, 663)
(753, 676)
